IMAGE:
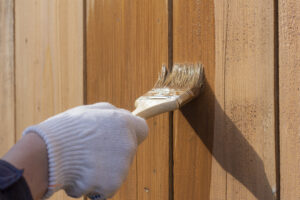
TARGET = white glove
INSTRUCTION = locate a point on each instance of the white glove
(90, 148)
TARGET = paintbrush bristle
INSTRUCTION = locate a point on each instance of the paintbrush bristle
(181, 77)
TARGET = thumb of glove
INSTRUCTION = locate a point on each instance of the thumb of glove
(140, 127)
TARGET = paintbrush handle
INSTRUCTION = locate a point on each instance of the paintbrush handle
(151, 108)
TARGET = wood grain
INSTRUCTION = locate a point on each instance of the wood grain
(7, 99)
(49, 60)
(218, 174)
(244, 137)
(193, 41)
(127, 43)
(289, 98)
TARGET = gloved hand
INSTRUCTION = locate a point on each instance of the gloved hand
(90, 148)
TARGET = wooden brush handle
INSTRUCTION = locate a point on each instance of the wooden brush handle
(153, 108)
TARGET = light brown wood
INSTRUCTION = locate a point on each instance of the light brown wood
(193, 41)
(243, 164)
(49, 60)
(224, 141)
(7, 99)
(127, 43)
(289, 98)
(218, 174)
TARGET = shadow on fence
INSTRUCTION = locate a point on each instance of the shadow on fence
(234, 153)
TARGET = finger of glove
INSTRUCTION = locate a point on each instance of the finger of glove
(142, 129)
(139, 125)
(102, 105)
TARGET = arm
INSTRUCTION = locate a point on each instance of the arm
(86, 150)
(30, 154)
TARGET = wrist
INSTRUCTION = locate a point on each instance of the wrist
(30, 154)
(65, 152)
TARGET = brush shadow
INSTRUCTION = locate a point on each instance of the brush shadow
(234, 153)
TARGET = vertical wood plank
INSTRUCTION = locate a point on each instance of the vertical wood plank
(244, 139)
(49, 60)
(193, 41)
(7, 100)
(289, 98)
(218, 173)
(127, 43)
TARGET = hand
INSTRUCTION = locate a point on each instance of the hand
(90, 148)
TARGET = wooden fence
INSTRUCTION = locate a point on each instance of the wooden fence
(239, 140)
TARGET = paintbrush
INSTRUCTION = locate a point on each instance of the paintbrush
(172, 90)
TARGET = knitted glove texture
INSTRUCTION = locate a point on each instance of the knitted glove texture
(90, 148)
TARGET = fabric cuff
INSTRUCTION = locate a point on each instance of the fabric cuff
(65, 152)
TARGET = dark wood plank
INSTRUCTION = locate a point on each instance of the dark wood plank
(127, 43)
(194, 41)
